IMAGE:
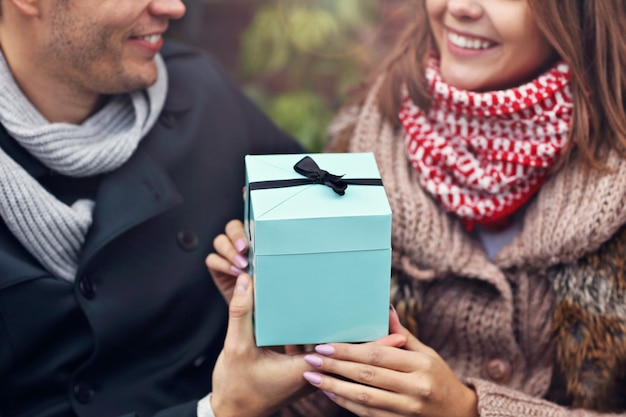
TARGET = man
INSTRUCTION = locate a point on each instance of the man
(120, 160)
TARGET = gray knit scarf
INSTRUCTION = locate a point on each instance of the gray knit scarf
(52, 231)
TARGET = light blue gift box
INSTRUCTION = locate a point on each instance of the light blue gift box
(321, 262)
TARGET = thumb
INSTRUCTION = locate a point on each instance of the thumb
(396, 327)
(240, 331)
(394, 340)
(394, 322)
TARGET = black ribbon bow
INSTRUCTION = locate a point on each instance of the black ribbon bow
(315, 175)
(309, 168)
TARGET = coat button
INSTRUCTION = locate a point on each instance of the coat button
(167, 119)
(84, 393)
(498, 370)
(87, 287)
(187, 240)
(199, 361)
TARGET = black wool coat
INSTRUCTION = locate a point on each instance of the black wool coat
(138, 332)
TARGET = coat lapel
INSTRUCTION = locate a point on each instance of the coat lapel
(136, 192)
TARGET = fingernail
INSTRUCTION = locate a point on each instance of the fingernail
(242, 284)
(236, 270)
(313, 377)
(329, 394)
(326, 350)
(313, 360)
(393, 309)
(241, 262)
(241, 244)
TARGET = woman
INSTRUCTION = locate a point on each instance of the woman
(499, 128)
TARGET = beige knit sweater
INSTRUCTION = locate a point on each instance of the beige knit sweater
(545, 319)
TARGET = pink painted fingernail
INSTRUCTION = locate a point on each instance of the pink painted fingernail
(241, 262)
(236, 270)
(241, 244)
(313, 360)
(329, 395)
(326, 350)
(393, 310)
(313, 377)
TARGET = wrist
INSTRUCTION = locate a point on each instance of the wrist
(471, 403)
(220, 409)
(232, 408)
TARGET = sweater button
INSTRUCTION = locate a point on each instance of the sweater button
(84, 393)
(87, 287)
(498, 370)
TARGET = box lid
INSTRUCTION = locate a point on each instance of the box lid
(312, 217)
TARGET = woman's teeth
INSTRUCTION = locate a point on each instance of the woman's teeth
(467, 43)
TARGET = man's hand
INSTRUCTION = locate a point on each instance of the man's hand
(247, 380)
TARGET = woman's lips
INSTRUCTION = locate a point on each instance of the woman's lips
(467, 45)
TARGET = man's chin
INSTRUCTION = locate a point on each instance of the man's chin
(130, 84)
(137, 76)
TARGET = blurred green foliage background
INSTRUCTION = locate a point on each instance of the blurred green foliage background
(297, 59)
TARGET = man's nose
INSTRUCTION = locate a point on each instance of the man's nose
(172, 9)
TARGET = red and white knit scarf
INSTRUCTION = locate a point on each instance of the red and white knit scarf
(483, 155)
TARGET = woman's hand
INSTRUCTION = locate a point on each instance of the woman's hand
(247, 380)
(383, 380)
(230, 260)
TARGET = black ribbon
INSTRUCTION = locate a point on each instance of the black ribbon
(315, 175)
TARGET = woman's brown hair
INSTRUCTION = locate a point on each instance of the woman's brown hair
(586, 34)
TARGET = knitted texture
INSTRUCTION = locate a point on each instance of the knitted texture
(502, 402)
(52, 231)
(483, 155)
(505, 323)
(204, 408)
